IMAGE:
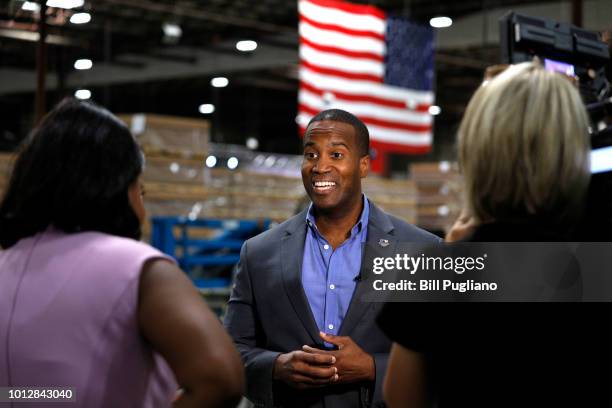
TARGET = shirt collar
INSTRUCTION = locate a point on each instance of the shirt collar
(359, 226)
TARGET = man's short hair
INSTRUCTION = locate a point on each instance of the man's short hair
(338, 115)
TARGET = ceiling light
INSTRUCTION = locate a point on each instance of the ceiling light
(270, 160)
(441, 22)
(30, 6)
(172, 30)
(443, 211)
(246, 45)
(444, 166)
(65, 4)
(232, 163)
(83, 94)
(434, 110)
(206, 108)
(252, 143)
(84, 63)
(80, 18)
(211, 161)
(219, 82)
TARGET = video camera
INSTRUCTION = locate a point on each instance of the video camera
(573, 51)
(580, 54)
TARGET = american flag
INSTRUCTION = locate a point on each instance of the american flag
(380, 68)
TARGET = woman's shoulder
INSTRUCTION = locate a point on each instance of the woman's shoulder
(97, 249)
(110, 242)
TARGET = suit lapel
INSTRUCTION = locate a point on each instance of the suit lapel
(379, 228)
(292, 250)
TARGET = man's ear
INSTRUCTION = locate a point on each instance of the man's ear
(364, 166)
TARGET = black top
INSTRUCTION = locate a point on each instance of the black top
(509, 354)
(519, 231)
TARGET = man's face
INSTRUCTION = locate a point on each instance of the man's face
(332, 168)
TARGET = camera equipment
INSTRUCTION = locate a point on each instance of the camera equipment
(580, 54)
(562, 47)
(575, 52)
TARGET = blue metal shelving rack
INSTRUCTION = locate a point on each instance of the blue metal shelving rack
(190, 252)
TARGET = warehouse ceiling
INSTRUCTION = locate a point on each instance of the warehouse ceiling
(121, 27)
(140, 67)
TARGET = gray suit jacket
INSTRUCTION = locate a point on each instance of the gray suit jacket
(268, 314)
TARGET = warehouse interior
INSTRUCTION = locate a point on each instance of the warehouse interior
(210, 90)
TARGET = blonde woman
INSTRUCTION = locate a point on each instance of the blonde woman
(523, 149)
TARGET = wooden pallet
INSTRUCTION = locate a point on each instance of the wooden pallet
(439, 194)
(170, 136)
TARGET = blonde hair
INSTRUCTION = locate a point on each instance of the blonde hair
(523, 147)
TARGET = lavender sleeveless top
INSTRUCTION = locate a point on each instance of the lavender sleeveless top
(68, 318)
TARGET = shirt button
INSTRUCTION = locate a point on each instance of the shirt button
(330, 327)
(332, 286)
(325, 246)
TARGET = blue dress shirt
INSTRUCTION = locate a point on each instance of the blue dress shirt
(328, 275)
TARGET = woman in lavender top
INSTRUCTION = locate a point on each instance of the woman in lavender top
(85, 305)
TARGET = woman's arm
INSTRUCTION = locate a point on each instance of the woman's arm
(404, 385)
(174, 318)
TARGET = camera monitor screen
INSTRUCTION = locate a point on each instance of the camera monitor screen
(558, 66)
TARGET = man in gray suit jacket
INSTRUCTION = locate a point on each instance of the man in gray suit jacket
(295, 312)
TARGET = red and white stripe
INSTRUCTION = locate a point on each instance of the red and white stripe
(342, 51)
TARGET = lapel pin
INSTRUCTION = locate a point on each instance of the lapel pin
(383, 242)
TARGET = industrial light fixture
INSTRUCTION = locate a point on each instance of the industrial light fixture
(82, 64)
(441, 22)
(252, 143)
(211, 161)
(172, 30)
(270, 160)
(232, 163)
(206, 108)
(174, 167)
(30, 6)
(434, 110)
(80, 18)
(246, 45)
(65, 4)
(83, 94)
(443, 211)
(219, 82)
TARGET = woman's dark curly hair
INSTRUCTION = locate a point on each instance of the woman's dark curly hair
(73, 173)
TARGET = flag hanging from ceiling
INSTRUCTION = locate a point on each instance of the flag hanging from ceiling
(380, 68)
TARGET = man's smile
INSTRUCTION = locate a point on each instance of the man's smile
(323, 187)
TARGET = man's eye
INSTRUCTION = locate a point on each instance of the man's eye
(337, 155)
(310, 155)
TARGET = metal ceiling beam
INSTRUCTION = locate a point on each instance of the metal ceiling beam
(198, 13)
(25, 35)
(461, 61)
(276, 84)
(207, 63)
(174, 57)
